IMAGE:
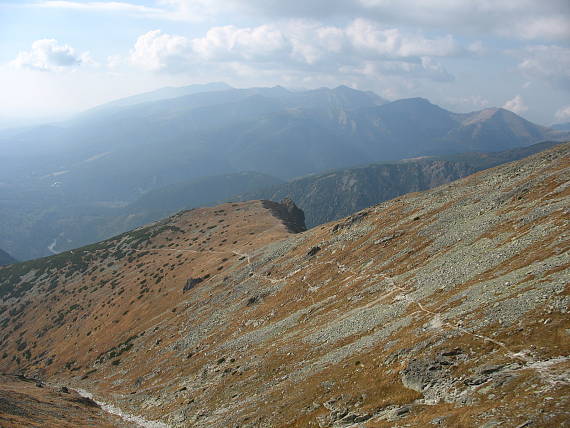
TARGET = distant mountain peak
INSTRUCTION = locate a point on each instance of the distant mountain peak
(480, 116)
(409, 104)
(345, 88)
(418, 100)
(348, 91)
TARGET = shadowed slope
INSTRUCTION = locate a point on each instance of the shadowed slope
(6, 259)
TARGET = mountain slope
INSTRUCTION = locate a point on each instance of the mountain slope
(114, 154)
(445, 307)
(491, 128)
(413, 127)
(6, 259)
(323, 197)
(339, 193)
(162, 94)
(199, 193)
(159, 143)
(330, 196)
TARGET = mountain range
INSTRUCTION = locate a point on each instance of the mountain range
(439, 308)
(58, 177)
(123, 149)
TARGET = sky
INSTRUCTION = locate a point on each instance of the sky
(58, 58)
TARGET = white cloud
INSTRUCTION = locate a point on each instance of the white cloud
(516, 105)
(434, 70)
(376, 70)
(367, 36)
(100, 6)
(313, 43)
(114, 61)
(362, 48)
(49, 55)
(563, 114)
(261, 43)
(520, 19)
(477, 48)
(155, 51)
(547, 62)
(545, 27)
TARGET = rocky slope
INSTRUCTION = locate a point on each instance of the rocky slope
(444, 308)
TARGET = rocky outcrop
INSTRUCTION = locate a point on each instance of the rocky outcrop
(291, 215)
(191, 283)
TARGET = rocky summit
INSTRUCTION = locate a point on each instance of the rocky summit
(447, 308)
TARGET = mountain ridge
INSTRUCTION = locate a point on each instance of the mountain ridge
(338, 193)
(160, 94)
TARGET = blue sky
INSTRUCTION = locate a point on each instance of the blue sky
(61, 57)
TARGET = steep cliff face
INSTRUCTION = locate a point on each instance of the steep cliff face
(444, 308)
(289, 213)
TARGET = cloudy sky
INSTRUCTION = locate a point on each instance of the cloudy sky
(60, 57)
